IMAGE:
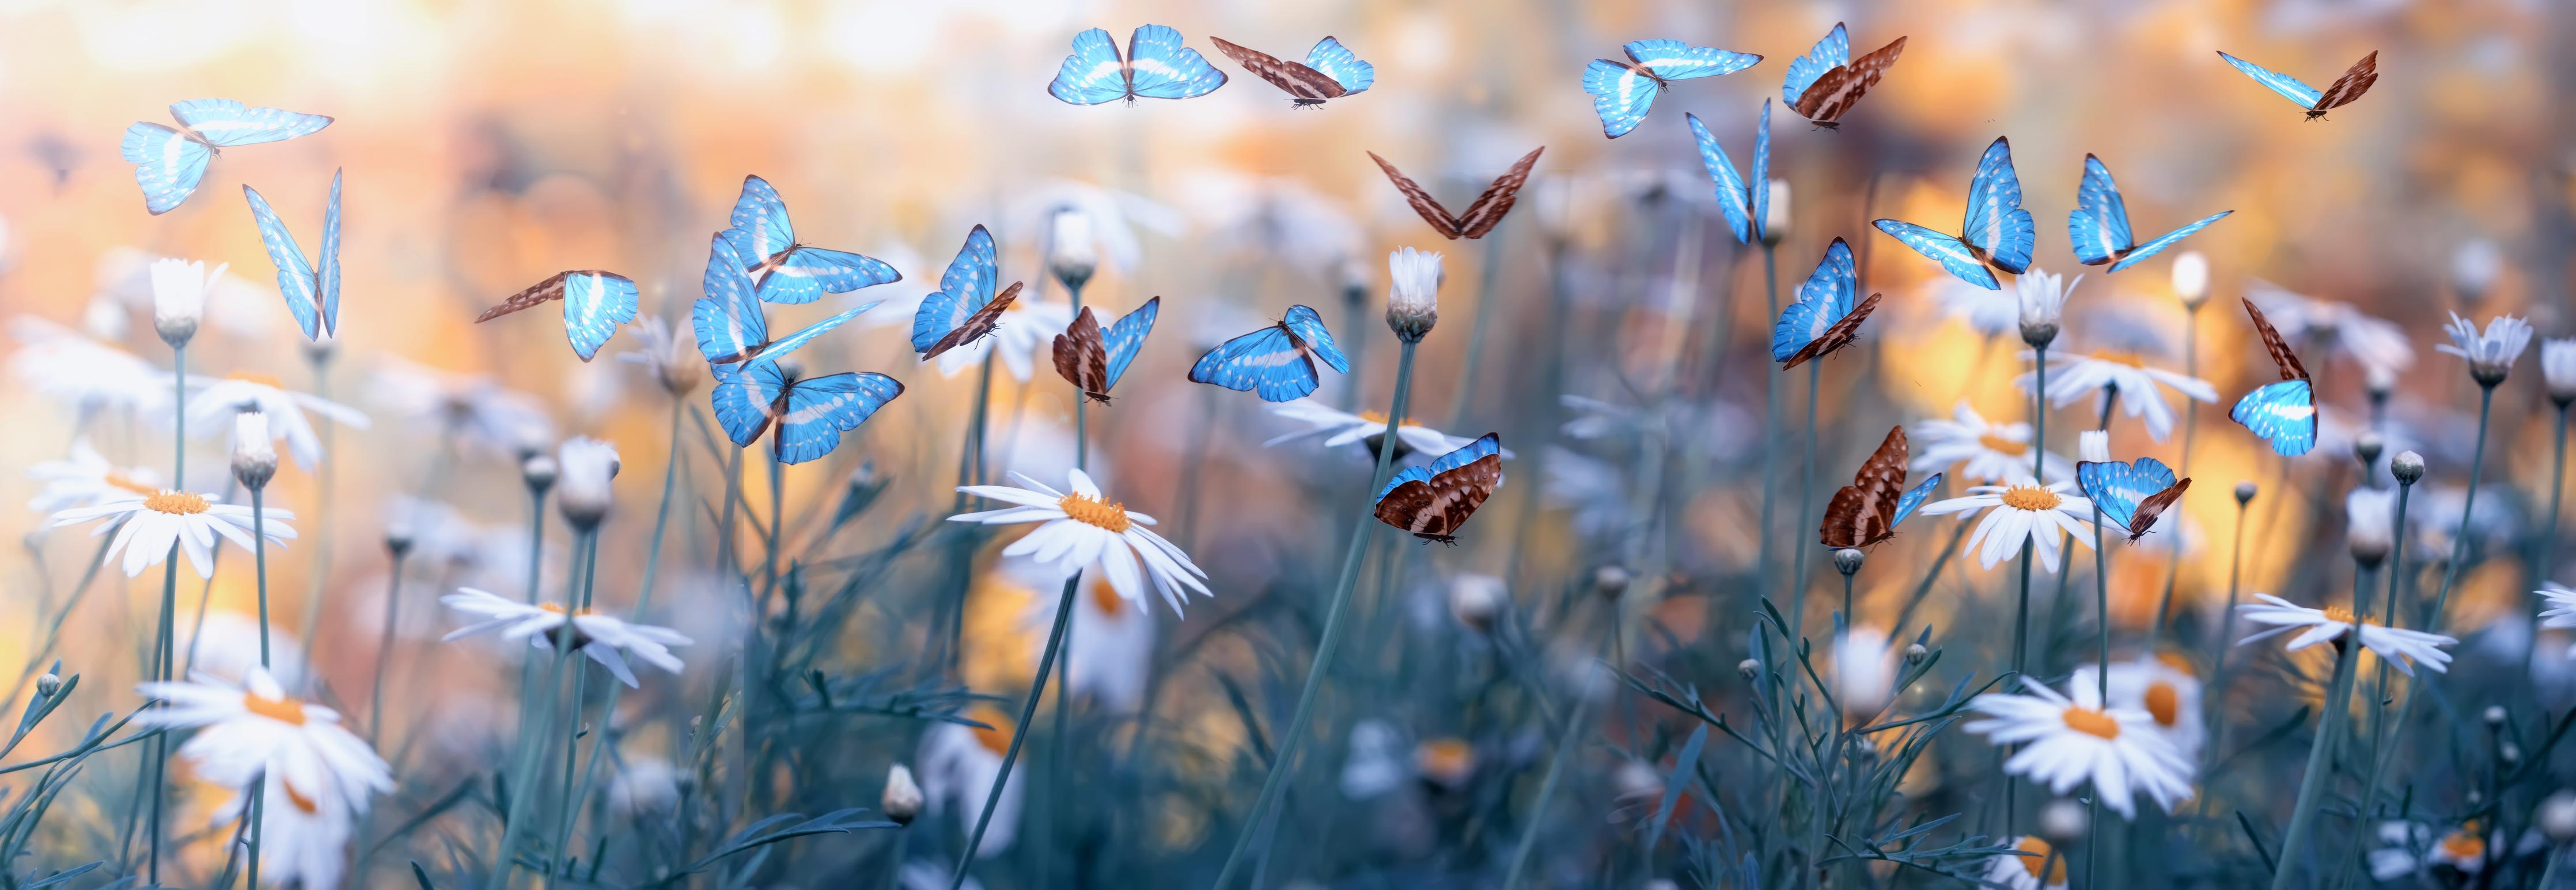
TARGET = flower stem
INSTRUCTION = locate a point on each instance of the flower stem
(1335, 626)
(2321, 751)
(1555, 769)
(1020, 730)
(1797, 533)
(2557, 483)
(949, 626)
(169, 598)
(533, 739)
(1044, 844)
(2214, 702)
(384, 646)
(2021, 604)
(1770, 426)
(324, 483)
(1487, 282)
(259, 557)
(2190, 426)
(2432, 621)
(2379, 700)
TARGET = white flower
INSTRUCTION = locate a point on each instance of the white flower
(147, 526)
(1367, 429)
(958, 766)
(243, 730)
(2492, 354)
(2072, 377)
(1993, 452)
(217, 398)
(1080, 529)
(2022, 872)
(1376, 761)
(1865, 669)
(1112, 655)
(583, 488)
(254, 452)
(2042, 297)
(303, 841)
(2374, 342)
(179, 297)
(2409, 848)
(606, 640)
(1115, 216)
(2191, 278)
(87, 478)
(1412, 293)
(2475, 266)
(670, 356)
(2067, 742)
(1277, 217)
(225, 643)
(1028, 326)
(2018, 512)
(2165, 688)
(2093, 446)
(1988, 312)
(2400, 647)
(1073, 252)
(85, 375)
(2558, 368)
(470, 407)
(2562, 607)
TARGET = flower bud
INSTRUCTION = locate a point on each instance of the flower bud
(2042, 298)
(539, 472)
(1749, 667)
(2063, 822)
(1915, 653)
(2557, 817)
(2509, 752)
(179, 298)
(2244, 492)
(1073, 253)
(2093, 445)
(322, 348)
(1610, 581)
(1775, 219)
(1412, 293)
(1848, 560)
(1475, 600)
(49, 684)
(2370, 524)
(2366, 448)
(2558, 369)
(254, 452)
(902, 798)
(2378, 382)
(398, 539)
(2407, 466)
(2494, 716)
(2191, 279)
(588, 467)
(2475, 266)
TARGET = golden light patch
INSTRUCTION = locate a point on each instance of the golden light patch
(2038, 859)
(2001, 445)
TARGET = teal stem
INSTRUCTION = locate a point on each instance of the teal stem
(2548, 549)
(1770, 425)
(2468, 507)
(2021, 603)
(259, 557)
(2190, 426)
(325, 483)
(533, 740)
(2379, 698)
(1799, 552)
(169, 598)
(2213, 703)
(1555, 770)
(2321, 751)
(1020, 730)
(1056, 782)
(385, 646)
(949, 616)
(571, 805)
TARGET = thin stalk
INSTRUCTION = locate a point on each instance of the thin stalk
(2432, 621)
(169, 598)
(2190, 427)
(2101, 669)
(525, 762)
(571, 805)
(2213, 704)
(1806, 483)
(325, 482)
(1056, 784)
(2557, 483)
(1770, 422)
(2021, 603)
(950, 627)
(1020, 730)
(1334, 627)
(259, 557)
(384, 645)
(1555, 769)
(2321, 751)
(1486, 283)
(2379, 699)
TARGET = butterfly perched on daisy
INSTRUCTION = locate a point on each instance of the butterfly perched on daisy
(729, 321)
(595, 303)
(1823, 318)
(311, 287)
(1622, 92)
(965, 307)
(169, 162)
(1276, 363)
(1331, 71)
(1093, 360)
(2355, 81)
(810, 413)
(1824, 83)
(2099, 224)
(1996, 232)
(1156, 66)
(2283, 413)
(1868, 510)
(1433, 501)
(783, 270)
(1482, 216)
(1747, 198)
(2131, 493)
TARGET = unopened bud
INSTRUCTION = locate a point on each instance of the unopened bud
(1073, 254)
(2366, 449)
(902, 799)
(2510, 753)
(1750, 668)
(1610, 581)
(398, 539)
(1775, 219)
(2191, 279)
(254, 453)
(2494, 716)
(2063, 822)
(49, 684)
(1413, 293)
(2244, 492)
(1475, 600)
(2407, 466)
(2557, 817)
(539, 471)
(1848, 560)
(1915, 653)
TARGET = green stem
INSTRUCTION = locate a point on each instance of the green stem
(949, 625)
(1020, 731)
(2021, 604)
(169, 598)
(2321, 751)
(1056, 784)
(385, 645)
(1770, 425)
(2557, 483)
(2190, 426)
(2379, 699)
(1798, 550)
(2213, 703)
(259, 556)
(2432, 622)
(533, 745)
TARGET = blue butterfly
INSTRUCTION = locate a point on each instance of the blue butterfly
(1824, 317)
(811, 413)
(784, 271)
(728, 319)
(2131, 494)
(1157, 66)
(1997, 231)
(595, 303)
(314, 297)
(1827, 81)
(1746, 199)
(1433, 501)
(1092, 360)
(168, 162)
(965, 306)
(2099, 224)
(1622, 92)
(1277, 362)
(2283, 413)
(1331, 71)
(2355, 81)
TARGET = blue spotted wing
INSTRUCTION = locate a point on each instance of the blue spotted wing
(782, 269)
(1824, 317)
(1092, 360)
(2283, 413)
(2098, 227)
(169, 162)
(1743, 199)
(1276, 363)
(809, 414)
(595, 304)
(2131, 494)
(312, 297)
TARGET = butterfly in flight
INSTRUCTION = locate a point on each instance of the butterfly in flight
(312, 294)
(784, 271)
(1997, 231)
(1823, 318)
(2283, 413)
(1092, 360)
(1622, 92)
(1276, 363)
(1826, 81)
(2131, 494)
(810, 413)
(1746, 199)
(1157, 66)
(2355, 81)
(595, 303)
(1481, 216)
(1330, 71)
(965, 307)
(168, 162)
(2099, 224)
(1868, 510)
(1433, 501)
(728, 320)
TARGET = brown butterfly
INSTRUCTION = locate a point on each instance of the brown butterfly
(595, 303)
(1306, 84)
(1832, 92)
(1482, 216)
(1093, 361)
(1867, 511)
(1433, 501)
(975, 326)
(2144, 518)
(2131, 494)
(2282, 357)
(2355, 81)
(1843, 332)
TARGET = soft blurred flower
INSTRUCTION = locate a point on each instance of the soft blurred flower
(2191, 279)
(1277, 217)
(254, 453)
(1368, 429)
(1115, 216)
(2140, 389)
(604, 639)
(2475, 266)
(644, 786)
(2165, 688)
(671, 356)
(2370, 522)
(2374, 342)
(1376, 761)
(1081, 528)
(225, 645)
(2021, 512)
(147, 527)
(584, 491)
(1115, 658)
(179, 298)
(2022, 872)
(1988, 312)
(303, 841)
(2398, 646)
(958, 766)
(1864, 673)
(87, 478)
(85, 375)
(2042, 298)
(2562, 607)
(470, 407)
(2071, 740)
(217, 398)
(318, 773)
(2409, 849)
(1476, 600)
(2093, 446)
(1073, 252)
(1412, 293)
(2492, 354)
(1993, 452)
(2558, 368)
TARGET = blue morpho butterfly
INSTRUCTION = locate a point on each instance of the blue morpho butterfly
(2099, 224)
(1997, 231)
(810, 413)
(2283, 413)
(1868, 510)
(1823, 318)
(965, 307)
(169, 162)
(1433, 501)
(728, 320)
(1276, 363)
(2355, 81)
(1157, 66)
(1746, 199)
(1825, 82)
(312, 295)
(784, 271)
(1093, 361)
(1330, 71)
(595, 303)
(2131, 494)
(1622, 92)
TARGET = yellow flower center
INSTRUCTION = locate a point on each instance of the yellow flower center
(300, 801)
(997, 738)
(1090, 511)
(558, 609)
(2339, 613)
(2130, 359)
(120, 480)
(266, 380)
(2030, 497)
(2179, 662)
(1380, 417)
(2462, 845)
(177, 503)
(283, 710)
(1104, 597)
(2001, 445)
(1446, 760)
(2038, 859)
(2164, 703)
(2091, 722)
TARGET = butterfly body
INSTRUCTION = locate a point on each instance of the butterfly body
(1620, 87)
(170, 161)
(1093, 360)
(2283, 413)
(311, 288)
(1331, 71)
(809, 414)
(1746, 199)
(1823, 317)
(1480, 217)
(1433, 501)
(1155, 66)
(730, 324)
(784, 270)
(2355, 81)
(595, 303)
(1867, 511)
(2098, 227)
(965, 308)
(1995, 231)
(2131, 494)
(1824, 84)
(1276, 363)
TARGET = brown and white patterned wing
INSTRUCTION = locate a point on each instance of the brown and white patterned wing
(977, 325)
(2282, 357)
(1455, 495)
(1081, 357)
(2354, 82)
(1294, 78)
(2151, 506)
(537, 294)
(1425, 205)
(1835, 92)
(1844, 330)
(1863, 513)
(1842, 520)
(1487, 212)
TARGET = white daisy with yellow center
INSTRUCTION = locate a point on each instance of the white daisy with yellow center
(2022, 511)
(218, 398)
(958, 766)
(1991, 452)
(147, 526)
(2022, 872)
(606, 640)
(2071, 741)
(319, 774)
(2401, 647)
(2412, 848)
(2074, 376)
(2166, 688)
(87, 479)
(1081, 528)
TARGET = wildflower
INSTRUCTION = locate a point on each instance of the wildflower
(2042, 297)
(179, 298)
(1864, 673)
(1115, 660)
(2022, 511)
(902, 798)
(1280, 218)
(1413, 293)
(1447, 762)
(1369, 429)
(2165, 687)
(1990, 313)
(303, 841)
(2492, 354)
(86, 479)
(606, 640)
(2370, 524)
(2068, 741)
(2022, 872)
(254, 453)
(2475, 266)
(1775, 224)
(2562, 607)
(316, 768)
(1081, 528)
(1993, 452)
(588, 465)
(644, 786)
(85, 375)
(2557, 817)
(147, 526)
(2409, 848)
(671, 356)
(2400, 647)
(2191, 279)
(1476, 600)
(2073, 376)
(2374, 342)
(2558, 369)
(473, 408)
(1026, 327)
(1073, 253)
(226, 644)
(218, 397)
(1114, 216)
(958, 766)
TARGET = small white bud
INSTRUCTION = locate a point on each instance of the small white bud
(2191, 279)
(1610, 581)
(589, 465)
(2475, 266)
(539, 472)
(254, 452)
(902, 798)
(1073, 252)
(2558, 369)
(1476, 600)
(1413, 293)
(2407, 466)
(2093, 445)
(2063, 822)
(1848, 560)
(2245, 490)
(1749, 667)
(2557, 817)
(1775, 219)
(179, 298)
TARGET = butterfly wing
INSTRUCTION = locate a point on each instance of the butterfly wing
(327, 281)
(1093, 74)
(2289, 87)
(745, 398)
(1823, 299)
(759, 223)
(1343, 66)
(227, 123)
(1996, 222)
(1298, 81)
(1080, 357)
(2283, 413)
(1481, 217)
(977, 325)
(2144, 518)
(1841, 333)
(1951, 253)
(1839, 89)
(1308, 326)
(595, 303)
(967, 286)
(787, 344)
(2282, 357)
(1424, 205)
(807, 273)
(728, 320)
(1675, 60)
(1914, 498)
(2117, 487)
(1863, 512)
(1760, 183)
(167, 165)
(2354, 82)
(2098, 227)
(295, 279)
(820, 409)
(2166, 240)
(1126, 338)
(1266, 362)
(1432, 502)
(1159, 67)
(1732, 195)
(1621, 95)
(1828, 54)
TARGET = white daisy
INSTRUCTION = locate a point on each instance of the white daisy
(1112, 647)
(303, 841)
(2409, 848)
(2490, 355)
(1028, 326)
(1865, 669)
(245, 729)
(471, 407)
(2067, 742)
(85, 375)
(2400, 647)
(87, 478)
(958, 766)
(2374, 342)
(1993, 452)
(1367, 428)
(217, 399)
(2074, 376)
(2018, 512)
(2022, 872)
(2165, 688)
(2558, 368)
(606, 640)
(1988, 312)
(2562, 607)
(1081, 528)
(2042, 299)
(147, 526)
